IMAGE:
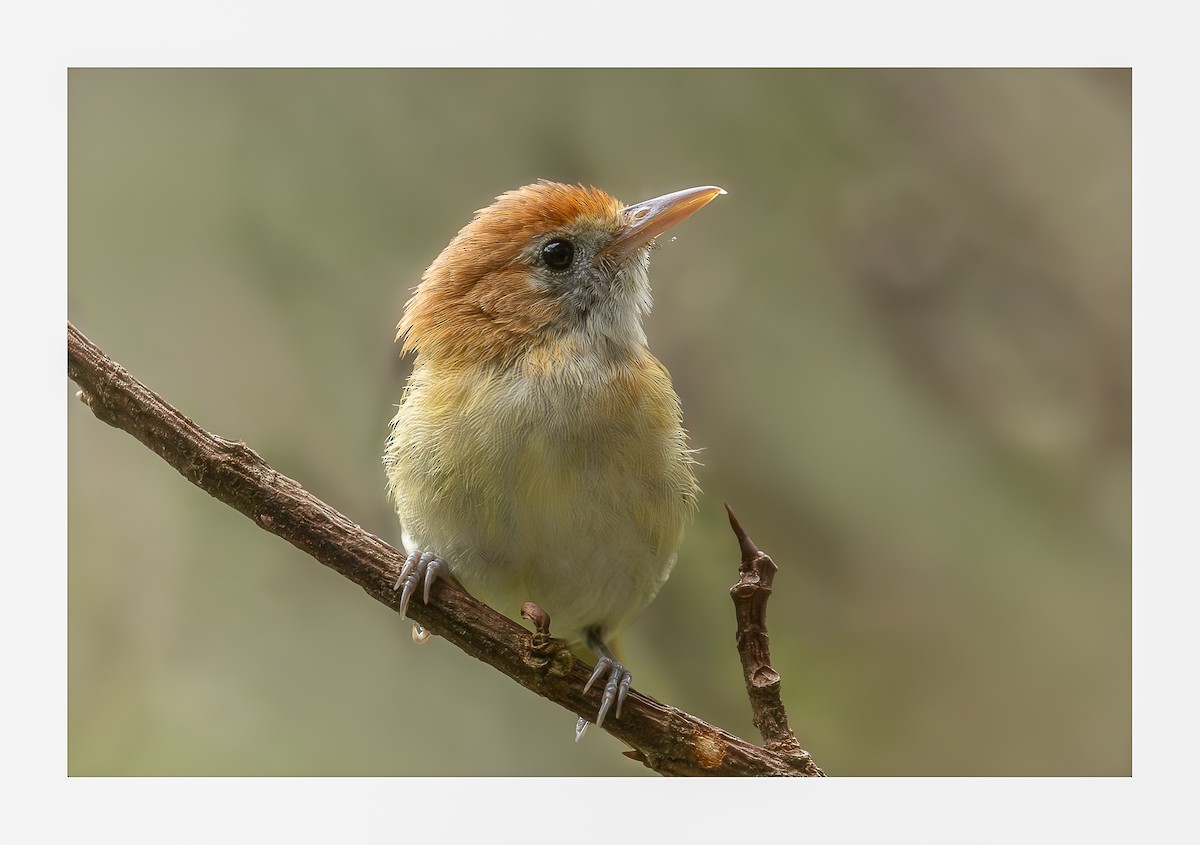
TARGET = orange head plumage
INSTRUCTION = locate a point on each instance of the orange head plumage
(543, 263)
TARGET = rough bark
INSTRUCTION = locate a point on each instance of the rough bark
(756, 575)
(664, 738)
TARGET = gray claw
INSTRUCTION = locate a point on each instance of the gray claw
(601, 664)
(431, 566)
(406, 569)
(419, 568)
(626, 680)
(615, 690)
(405, 597)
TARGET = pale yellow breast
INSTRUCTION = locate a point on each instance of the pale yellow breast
(566, 483)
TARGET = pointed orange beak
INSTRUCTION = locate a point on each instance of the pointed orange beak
(649, 219)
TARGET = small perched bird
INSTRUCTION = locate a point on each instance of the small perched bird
(538, 452)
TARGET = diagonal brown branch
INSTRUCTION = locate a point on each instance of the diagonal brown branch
(666, 739)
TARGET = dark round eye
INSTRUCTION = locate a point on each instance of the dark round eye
(558, 254)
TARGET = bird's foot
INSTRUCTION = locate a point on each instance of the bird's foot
(546, 654)
(419, 569)
(615, 690)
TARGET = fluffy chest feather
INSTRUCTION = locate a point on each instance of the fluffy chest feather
(563, 481)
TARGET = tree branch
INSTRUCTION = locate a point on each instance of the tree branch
(756, 574)
(665, 739)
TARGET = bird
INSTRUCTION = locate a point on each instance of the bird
(538, 451)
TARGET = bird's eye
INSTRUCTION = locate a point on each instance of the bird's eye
(558, 254)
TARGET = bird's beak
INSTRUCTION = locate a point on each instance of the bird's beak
(649, 219)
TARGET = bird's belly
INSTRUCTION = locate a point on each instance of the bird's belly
(580, 514)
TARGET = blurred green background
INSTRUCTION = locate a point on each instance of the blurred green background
(902, 342)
